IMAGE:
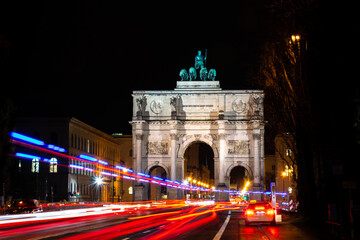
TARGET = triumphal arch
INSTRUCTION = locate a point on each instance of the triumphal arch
(166, 122)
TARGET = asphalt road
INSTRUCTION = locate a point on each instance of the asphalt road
(169, 221)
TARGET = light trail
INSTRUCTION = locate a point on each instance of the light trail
(38, 145)
(125, 173)
(154, 215)
(114, 221)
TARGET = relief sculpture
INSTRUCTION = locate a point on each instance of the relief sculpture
(240, 147)
(157, 148)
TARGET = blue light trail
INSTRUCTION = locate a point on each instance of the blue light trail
(26, 138)
(24, 155)
(86, 157)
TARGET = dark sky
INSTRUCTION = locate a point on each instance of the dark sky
(85, 59)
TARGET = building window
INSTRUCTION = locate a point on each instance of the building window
(35, 165)
(288, 152)
(88, 145)
(19, 165)
(53, 165)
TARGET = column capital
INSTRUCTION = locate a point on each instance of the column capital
(138, 136)
(222, 136)
(256, 136)
(174, 136)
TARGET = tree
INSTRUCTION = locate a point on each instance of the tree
(283, 74)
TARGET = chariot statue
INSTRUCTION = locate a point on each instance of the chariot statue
(212, 74)
(192, 74)
(200, 65)
(184, 75)
(203, 74)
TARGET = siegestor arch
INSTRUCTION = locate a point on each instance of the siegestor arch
(192, 140)
(157, 164)
(239, 164)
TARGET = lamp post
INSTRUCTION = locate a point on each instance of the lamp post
(99, 181)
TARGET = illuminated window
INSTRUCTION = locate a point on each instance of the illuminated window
(130, 190)
(19, 165)
(35, 165)
(288, 152)
(53, 165)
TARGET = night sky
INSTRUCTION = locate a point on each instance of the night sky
(84, 59)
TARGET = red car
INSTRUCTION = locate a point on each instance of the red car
(261, 212)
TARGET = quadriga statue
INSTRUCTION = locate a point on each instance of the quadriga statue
(203, 74)
(212, 74)
(192, 74)
(184, 75)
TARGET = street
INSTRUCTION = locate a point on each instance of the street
(168, 220)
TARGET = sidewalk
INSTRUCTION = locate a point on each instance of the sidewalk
(317, 230)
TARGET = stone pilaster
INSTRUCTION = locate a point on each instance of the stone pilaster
(222, 153)
(139, 138)
(173, 156)
(257, 163)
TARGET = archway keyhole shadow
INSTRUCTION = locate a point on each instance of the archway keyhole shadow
(199, 162)
(155, 191)
(238, 177)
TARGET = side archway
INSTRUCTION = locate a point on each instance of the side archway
(157, 164)
(156, 191)
(239, 164)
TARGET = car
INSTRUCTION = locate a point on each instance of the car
(260, 212)
(24, 206)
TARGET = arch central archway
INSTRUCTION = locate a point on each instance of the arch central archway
(199, 166)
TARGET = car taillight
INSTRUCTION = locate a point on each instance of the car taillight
(249, 212)
(270, 212)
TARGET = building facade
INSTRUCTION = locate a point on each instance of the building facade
(126, 153)
(84, 139)
(285, 167)
(67, 177)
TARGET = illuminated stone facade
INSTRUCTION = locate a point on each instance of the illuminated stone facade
(64, 182)
(166, 123)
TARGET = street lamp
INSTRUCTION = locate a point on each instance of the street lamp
(99, 181)
(295, 37)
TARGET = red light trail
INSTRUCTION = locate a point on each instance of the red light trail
(164, 220)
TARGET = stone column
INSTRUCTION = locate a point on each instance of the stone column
(256, 186)
(257, 166)
(222, 196)
(139, 189)
(173, 193)
(139, 137)
(173, 157)
(222, 152)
